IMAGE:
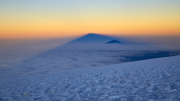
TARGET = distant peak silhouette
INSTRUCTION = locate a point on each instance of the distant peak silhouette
(113, 41)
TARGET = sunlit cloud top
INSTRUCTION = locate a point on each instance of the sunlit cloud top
(60, 18)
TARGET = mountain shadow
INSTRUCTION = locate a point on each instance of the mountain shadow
(92, 38)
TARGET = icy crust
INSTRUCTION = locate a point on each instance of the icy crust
(147, 80)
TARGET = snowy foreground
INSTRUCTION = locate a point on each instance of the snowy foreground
(153, 80)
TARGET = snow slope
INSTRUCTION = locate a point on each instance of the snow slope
(153, 80)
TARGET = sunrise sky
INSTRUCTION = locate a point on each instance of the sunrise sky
(63, 18)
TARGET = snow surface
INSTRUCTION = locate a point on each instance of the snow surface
(149, 80)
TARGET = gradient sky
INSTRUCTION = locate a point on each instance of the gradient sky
(62, 18)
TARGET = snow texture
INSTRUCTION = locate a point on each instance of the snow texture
(146, 80)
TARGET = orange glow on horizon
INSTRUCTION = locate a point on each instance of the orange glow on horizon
(63, 19)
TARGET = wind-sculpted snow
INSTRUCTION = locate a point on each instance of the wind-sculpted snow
(147, 80)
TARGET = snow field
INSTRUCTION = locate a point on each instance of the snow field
(146, 80)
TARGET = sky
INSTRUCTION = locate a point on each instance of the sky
(64, 18)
